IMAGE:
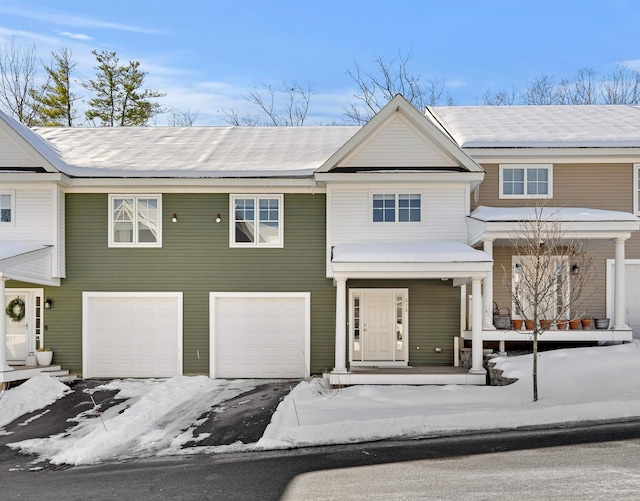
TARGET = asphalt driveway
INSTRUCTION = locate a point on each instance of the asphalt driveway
(243, 418)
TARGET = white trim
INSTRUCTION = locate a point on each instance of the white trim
(525, 167)
(30, 314)
(610, 286)
(256, 197)
(636, 189)
(361, 291)
(213, 370)
(87, 295)
(12, 208)
(135, 243)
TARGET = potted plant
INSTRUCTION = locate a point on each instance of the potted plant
(545, 325)
(562, 325)
(44, 356)
(529, 325)
(517, 323)
(575, 324)
(587, 323)
(602, 323)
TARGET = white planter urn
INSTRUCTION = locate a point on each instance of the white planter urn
(44, 357)
(30, 360)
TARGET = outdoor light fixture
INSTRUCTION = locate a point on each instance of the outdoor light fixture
(174, 219)
(575, 269)
(518, 269)
(48, 303)
(218, 218)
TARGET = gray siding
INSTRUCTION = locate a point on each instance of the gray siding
(195, 259)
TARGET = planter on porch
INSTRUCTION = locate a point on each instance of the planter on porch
(44, 357)
(587, 323)
(529, 325)
(575, 324)
(602, 323)
(545, 325)
(517, 324)
(562, 325)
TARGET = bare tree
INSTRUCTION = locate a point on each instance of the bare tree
(18, 69)
(500, 98)
(585, 87)
(622, 86)
(181, 118)
(286, 107)
(389, 77)
(544, 291)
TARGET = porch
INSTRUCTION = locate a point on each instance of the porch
(555, 335)
(424, 375)
(24, 372)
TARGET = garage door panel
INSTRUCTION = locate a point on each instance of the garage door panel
(260, 336)
(132, 334)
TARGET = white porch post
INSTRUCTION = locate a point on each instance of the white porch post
(476, 328)
(341, 326)
(4, 366)
(619, 299)
(487, 290)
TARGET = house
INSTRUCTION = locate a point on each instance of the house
(282, 252)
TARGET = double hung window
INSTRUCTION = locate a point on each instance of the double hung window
(396, 207)
(257, 221)
(526, 181)
(135, 221)
(7, 207)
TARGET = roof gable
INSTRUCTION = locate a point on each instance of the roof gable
(399, 137)
(23, 150)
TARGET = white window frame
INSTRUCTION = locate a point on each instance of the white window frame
(397, 194)
(636, 189)
(526, 167)
(256, 198)
(12, 208)
(135, 243)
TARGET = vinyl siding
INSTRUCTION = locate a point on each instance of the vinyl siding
(443, 215)
(596, 186)
(13, 155)
(195, 259)
(34, 216)
(434, 317)
(398, 144)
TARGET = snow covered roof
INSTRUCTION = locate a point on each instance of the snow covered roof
(540, 126)
(565, 214)
(194, 152)
(407, 252)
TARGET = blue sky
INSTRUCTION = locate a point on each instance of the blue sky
(207, 54)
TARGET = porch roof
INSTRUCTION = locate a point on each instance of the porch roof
(423, 259)
(575, 222)
(16, 253)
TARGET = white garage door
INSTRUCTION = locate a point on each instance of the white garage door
(260, 335)
(132, 334)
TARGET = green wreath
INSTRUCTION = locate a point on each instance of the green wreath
(16, 309)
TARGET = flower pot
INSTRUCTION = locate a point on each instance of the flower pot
(517, 324)
(575, 324)
(30, 360)
(587, 323)
(545, 325)
(562, 325)
(602, 323)
(529, 325)
(44, 357)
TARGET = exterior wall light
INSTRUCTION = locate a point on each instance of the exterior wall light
(218, 218)
(48, 304)
(575, 269)
(174, 219)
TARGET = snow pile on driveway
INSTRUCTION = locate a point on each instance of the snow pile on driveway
(156, 417)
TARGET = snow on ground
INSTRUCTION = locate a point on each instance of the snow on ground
(156, 417)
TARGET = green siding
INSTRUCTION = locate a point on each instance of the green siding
(195, 259)
(434, 317)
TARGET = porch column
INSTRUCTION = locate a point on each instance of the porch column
(341, 326)
(476, 328)
(619, 299)
(487, 290)
(4, 366)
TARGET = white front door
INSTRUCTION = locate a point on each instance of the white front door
(21, 333)
(378, 326)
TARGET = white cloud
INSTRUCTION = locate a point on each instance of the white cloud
(75, 36)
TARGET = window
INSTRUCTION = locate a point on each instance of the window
(7, 207)
(541, 281)
(391, 207)
(526, 181)
(257, 221)
(135, 221)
